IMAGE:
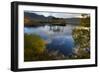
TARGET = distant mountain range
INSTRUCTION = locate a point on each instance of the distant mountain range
(32, 16)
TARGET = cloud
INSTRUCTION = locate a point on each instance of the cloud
(56, 14)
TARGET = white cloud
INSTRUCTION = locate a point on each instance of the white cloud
(57, 14)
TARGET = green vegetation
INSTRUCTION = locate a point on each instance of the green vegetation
(34, 45)
(35, 49)
(81, 37)
(85, 21)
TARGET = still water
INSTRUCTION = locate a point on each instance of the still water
(57, 37)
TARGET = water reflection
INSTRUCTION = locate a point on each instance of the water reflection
(57, 37)
(56, 28)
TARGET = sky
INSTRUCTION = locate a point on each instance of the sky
(57, 14)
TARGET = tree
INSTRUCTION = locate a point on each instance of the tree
(33, 45)
(82, 37)
(85, 20)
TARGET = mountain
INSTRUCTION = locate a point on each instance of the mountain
(33, 18)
